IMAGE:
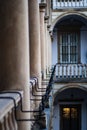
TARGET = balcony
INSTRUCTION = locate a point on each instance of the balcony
(8, 103)
(69, 4)
(71, 73)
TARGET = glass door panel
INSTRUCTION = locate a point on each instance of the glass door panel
(70, 117)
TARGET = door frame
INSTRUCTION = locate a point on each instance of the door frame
(78, 106)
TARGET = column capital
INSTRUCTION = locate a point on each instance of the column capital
(48, 27)
(42, 7)
(51, 34)
(46, 17)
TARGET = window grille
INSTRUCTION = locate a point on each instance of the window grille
(69, 43)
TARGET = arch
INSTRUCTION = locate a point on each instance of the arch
(65, 15)
(70, 86)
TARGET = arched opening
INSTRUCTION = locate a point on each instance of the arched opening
(70, 109)
(69, 40)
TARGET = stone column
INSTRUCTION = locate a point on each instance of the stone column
(49, 47)
(46, 41)
(14, 51)
(35, 49)
(47, 8)
(50, 42)
(42, 38)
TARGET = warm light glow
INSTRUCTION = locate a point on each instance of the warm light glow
(69, 112)
(73, 112)
(66, 112)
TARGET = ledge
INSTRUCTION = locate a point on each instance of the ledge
(6, 105)
(70, 80)
(69, 9)
(33, 81)
(42, 5)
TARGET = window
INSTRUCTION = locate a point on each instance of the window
(69, 47)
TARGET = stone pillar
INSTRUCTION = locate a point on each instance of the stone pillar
(14, 51)
(46, 41)
(42, 38)
(49, 47)
(47, 8)
(50, 42)
(35, 51)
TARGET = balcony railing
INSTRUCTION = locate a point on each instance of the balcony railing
(61, 4)
(7, 110)
(71, 71)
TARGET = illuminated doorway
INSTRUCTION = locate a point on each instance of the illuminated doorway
(70, 117)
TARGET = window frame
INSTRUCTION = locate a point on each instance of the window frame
(70, 31)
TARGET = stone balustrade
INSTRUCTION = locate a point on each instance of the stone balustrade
(71, 71)
(58, 4)
(7, 111)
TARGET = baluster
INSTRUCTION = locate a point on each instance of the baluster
(74, 71)
(2, 126)
(10, 121)
(6, 122)
(68, 3)
(79, 2)
(60, 3)
(63, 71)
(72, 3)
(70, 71)
(86, 70)
(83, 2)
(82, 70)
(66, 71)
(78, 71)
(14, 120)
(75, 3)
(64, 3)
(58, 71)
(56, 4)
